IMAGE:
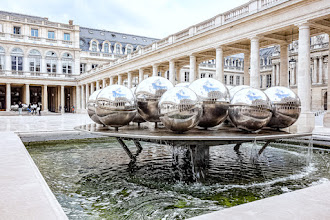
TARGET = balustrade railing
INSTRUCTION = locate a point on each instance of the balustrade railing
(34, 38)
(16, 36)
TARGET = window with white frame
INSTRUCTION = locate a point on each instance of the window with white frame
(82, 67)
(237, 80)
(94, 66)
(210, 75)
(51, 62)
(231, 80)
(67, 63)
(117, 48)
(260, 81)
(34, 60)
(66, 36)
(2, 58)
(17, 30)
(94, 46)
(203, 75)
(186, 76)
(269, 80)
(17, 59)
(106, 48)
(225, 80)
(51, 34)
(34, 32)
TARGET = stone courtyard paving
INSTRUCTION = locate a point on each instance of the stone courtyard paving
(46, 123)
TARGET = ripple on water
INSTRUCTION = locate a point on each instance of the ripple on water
(92, 180)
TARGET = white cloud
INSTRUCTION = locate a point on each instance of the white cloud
(154, 18)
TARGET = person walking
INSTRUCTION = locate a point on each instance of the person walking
(29, 108)
(34, 108)
(38, 109)
(20, 107)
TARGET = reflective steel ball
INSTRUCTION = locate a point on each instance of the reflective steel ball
(148, 93)
(285, 107)
(235, 89)
(116, 106)
(91, 105)
(185, 84)
(180, 109)
(215, 101)
(137, 119)
(250, 109)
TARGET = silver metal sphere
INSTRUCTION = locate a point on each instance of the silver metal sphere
(116, 106)
(180, 109)
(250, 109)
(137, 118)
(235, 89)
(184, 84)
(215, 101)
(91, 105)
(285, 107)
(148, 93)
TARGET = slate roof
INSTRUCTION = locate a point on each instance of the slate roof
(22, 15)
(87, 34)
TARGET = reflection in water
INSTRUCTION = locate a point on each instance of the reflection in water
(92, 180)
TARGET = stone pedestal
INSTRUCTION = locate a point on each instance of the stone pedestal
(326, 120)
(305, 123)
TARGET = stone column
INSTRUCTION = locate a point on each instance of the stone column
(192, 72)
(92, 88)
(103, 83)
(306, 120)
(277, 74)
(219, 64)
(326, 118)
(111, 80)
(315, 70)
(59, 67)
(293, 75)
(140, 75)
(87, 94)
(155, 70)
(320, 70)
(43, 68)
(129, 79)
(27, 94)
(8, 97)
(246, 69)
(45, 99)
(255, 64)
(177, 72)
(273, 74)
(26, 64)
(62, 99)
(284, 78)
(97, 85)
(120, 80)
(78, 99)
(172, 71)
(8, 63)
(83, 97)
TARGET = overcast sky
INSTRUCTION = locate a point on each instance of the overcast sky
(152, 18)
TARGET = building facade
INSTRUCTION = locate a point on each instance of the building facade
(60, 65)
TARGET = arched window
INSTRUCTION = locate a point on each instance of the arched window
(2, 58)
(17, 59)
(117, 48)
(128, 49)
(51, 62)
(34, 60)
(94, 46)
(106, 48)
(67, 63)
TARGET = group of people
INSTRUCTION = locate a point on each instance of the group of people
(32, 108)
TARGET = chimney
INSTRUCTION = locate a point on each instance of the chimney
(46, 18)
(70, 22)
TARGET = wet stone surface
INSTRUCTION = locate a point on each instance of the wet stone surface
(92, 179)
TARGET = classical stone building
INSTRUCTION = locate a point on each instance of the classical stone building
(41, 59)
(262, 43)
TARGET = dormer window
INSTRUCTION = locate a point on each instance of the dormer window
(113, 35)
(106, 48)
(94, 46)
(124, 37)
(117, 48)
